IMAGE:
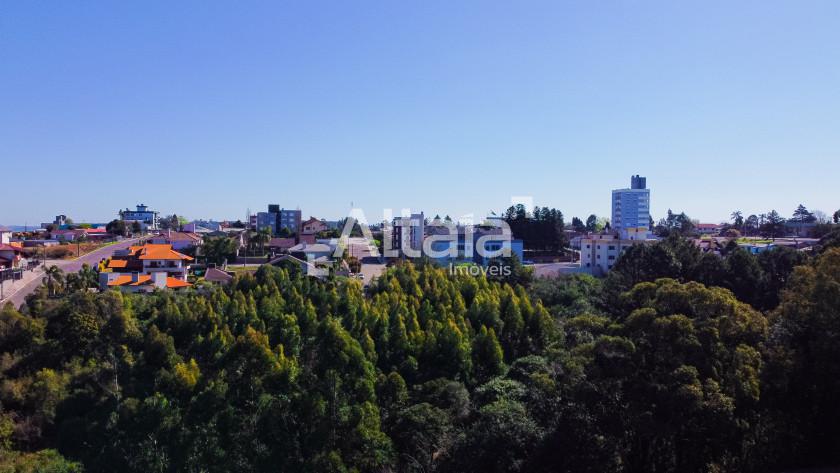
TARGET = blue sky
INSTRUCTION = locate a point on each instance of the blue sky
(207, 109)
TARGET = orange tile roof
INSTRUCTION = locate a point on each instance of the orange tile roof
(143, 279)
(164, 252)
(175, 282)
(118, 263)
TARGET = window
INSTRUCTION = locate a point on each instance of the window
(612, 247)
(611, 257)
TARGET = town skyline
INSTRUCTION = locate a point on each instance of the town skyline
(442, 108)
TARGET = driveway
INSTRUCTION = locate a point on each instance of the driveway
(33, 279)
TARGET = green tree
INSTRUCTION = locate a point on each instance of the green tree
(54, 280)
(488, 357)
(802, 215)
(116, 227)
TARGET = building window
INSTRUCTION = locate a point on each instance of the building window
(611, 257)
(612, 247)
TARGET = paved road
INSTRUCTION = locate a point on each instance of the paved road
(372, 268)
(68, 266)
(552, 270)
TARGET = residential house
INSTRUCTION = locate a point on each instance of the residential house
(76, 233)
(218, 276)
(10, 256)
(281, 245)
(5, 235)
(313, 226)
(145, 268)
(199, 226)
(180, 241)
(312, 252)
(708, 228)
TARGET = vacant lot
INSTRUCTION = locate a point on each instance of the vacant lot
(68, 251)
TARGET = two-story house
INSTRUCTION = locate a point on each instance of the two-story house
(144, 268)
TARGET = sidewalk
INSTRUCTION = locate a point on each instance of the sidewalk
(10, 288)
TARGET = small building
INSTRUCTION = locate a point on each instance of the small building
(309, 238)
(218, 276)
(10, 256)
(312, 252)
(281, 245)
(180, 241)
(313, 226)
(5, 235)
(708, 228)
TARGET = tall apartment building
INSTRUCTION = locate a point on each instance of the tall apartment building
(631, 209)
(278, 218)
(408, 232)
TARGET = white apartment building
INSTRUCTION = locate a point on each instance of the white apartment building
(598, 253)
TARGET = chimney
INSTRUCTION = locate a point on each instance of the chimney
(135, 276)
(159, 279)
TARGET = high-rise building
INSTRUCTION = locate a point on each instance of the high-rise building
(631, 209)
(278, 218)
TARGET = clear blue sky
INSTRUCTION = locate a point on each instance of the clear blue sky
(208, 108)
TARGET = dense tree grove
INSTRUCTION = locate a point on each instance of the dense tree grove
(541, 230)
(677, 362)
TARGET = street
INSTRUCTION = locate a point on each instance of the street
(16, 291)
(372, 267)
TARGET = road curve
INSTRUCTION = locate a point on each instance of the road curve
(70, 266)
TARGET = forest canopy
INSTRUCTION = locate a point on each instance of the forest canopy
(675, 363)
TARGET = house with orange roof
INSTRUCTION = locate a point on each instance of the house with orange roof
(136, 282)
(145, 268)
